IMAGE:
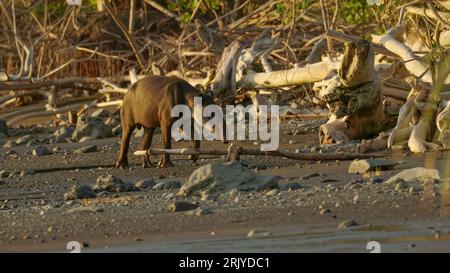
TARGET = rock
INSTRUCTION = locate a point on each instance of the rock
(144, 184)
(111, 183)
(167, 185)
(257, 233)
(182, 206)
(217, 178)
(200, 211)
(101, 113)
(291, 186)
(11, 152)
(366, 165)
(86, 149)
(257, 166)
(90, 126)
(3, 127)
(2, 182)
(116, 131)
(62, 134)
(84, 209)
(376, 180)
(347, 224)
(79, 192)
(24, 139)
(9, 144)
(415, 174)
(4, 173)
(310, 175)
(323, 211)
(272, 192)
(104, 194)
(41, 151)
(85, 139)
(401, 185)
(32, 142)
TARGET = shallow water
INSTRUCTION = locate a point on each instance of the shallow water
(403, 237)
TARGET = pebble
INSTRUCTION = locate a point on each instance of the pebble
(41, 151)
(347, 224)
(182, 206)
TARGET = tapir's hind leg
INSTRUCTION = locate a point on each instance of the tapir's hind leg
(145, 145)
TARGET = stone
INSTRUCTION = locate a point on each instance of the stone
(111, 183)
(3, 127)
(9, 144)
(415, 174)
(291, 186)
(117, 131)
(2, 182)
(62, 134)
(79, 192)
(4, 173)
(144, 184)
(347, 224)
(366, 165)
(93, 127)
(24, 139)
(271, 192)
(182, 206)
(167, 185)
(257, 233)
(310, 175)
(401, 185)
(376, 180)
(41, 151)
(11, 152)
(86, 149)
(217, 178)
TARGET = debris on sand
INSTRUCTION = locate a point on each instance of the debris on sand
(4, 173)
(419, 174)
(41, 151)
(24, 139)
(79, 192)
(347, 224)
(217, 178)
(111, 183)
(167, 185)
(86, 149)
(92, 127)
(62, 134)
(182, 206)
(366, 165)
(84, 209)
(257, 233)
(144, 184)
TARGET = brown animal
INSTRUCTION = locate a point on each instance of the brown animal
(148, 104)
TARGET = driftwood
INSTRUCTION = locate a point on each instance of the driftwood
(231, 154)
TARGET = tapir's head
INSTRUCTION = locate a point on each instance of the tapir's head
(207, 98)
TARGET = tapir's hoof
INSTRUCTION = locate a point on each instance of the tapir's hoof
(121, 165)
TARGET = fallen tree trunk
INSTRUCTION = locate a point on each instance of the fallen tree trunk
(246, 151)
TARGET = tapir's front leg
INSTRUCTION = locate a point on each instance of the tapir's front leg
(166, 140)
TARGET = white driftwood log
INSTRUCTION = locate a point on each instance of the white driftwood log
(391, 41)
